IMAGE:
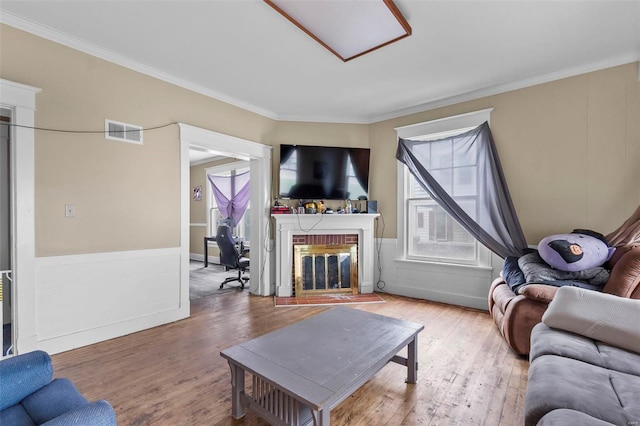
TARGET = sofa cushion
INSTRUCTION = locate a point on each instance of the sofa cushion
(98, 413)
(551, 341)
(56, 398)
(564, 417)
(15, 415)
(556, 382)
(600, 316)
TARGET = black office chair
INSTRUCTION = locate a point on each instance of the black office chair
(230, 256)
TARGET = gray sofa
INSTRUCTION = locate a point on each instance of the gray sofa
(585, 361)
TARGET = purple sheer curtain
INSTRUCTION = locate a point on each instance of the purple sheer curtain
(231, 194)
(492, 219)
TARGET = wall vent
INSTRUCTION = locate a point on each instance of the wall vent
(122, 132)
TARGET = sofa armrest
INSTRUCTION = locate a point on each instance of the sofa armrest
(599, 316)
(98, 413)
(540, 292)
(22, 375)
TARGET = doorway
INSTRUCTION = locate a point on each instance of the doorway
(206, 272)
(259, 157)
(6, 339)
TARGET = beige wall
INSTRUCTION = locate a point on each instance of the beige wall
(570, 150)
(127, 197)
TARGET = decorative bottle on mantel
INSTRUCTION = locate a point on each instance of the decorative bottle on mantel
(349, 207)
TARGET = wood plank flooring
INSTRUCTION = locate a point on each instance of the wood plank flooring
(174, 375)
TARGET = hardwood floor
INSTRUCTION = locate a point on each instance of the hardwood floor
(174, 375)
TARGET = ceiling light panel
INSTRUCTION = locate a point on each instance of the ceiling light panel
(347, 28)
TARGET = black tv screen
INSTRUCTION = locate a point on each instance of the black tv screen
(322, 172)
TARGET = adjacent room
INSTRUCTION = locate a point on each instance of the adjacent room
(313, 212)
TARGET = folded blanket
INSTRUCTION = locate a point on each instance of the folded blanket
(536, 270)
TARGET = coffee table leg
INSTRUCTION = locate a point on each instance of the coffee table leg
(324, 417)
(237, 390)
(412, 360)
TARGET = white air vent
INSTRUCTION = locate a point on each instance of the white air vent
(122, 132)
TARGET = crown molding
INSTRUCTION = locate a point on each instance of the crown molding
(102, 53)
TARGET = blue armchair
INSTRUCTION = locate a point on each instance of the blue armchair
(30, 396)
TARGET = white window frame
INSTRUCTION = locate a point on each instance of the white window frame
(443, 125)
(223, 168)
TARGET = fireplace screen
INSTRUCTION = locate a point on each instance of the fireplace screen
(320, 268)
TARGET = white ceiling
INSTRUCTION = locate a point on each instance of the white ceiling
(245, 53)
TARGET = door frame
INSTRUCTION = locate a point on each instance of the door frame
(21, 100)
(259, 157)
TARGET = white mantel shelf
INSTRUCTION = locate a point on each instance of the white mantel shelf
(289, 225)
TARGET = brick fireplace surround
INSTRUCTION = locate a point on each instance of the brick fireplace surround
(293, 229)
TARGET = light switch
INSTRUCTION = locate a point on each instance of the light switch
(69, 210)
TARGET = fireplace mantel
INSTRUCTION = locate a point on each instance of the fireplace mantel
(289, 225)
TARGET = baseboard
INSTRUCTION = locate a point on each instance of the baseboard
(111, 331)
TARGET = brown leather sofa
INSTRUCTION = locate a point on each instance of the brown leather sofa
(517, 314)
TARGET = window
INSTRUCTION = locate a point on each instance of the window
(354, 187)
(427, 232)
(242, 229)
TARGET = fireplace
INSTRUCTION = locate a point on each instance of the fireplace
(328, 231)
(322, 268)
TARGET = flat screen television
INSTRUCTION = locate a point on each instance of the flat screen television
(323, 172)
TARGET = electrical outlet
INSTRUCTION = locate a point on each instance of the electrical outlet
(69, 210)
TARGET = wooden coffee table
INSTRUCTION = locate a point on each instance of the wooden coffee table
(301, 372)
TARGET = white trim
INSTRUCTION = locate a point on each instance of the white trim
(290, 225)
(469, 119)
(88, 298)
(259, 156)
(21, 99)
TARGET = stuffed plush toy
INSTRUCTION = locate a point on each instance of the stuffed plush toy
(580, 250)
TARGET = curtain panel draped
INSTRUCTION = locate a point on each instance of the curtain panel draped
(492, 219)
(232, 195)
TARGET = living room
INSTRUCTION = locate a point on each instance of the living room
(568, 145)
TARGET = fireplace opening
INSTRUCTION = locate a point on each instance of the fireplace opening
(322, 269)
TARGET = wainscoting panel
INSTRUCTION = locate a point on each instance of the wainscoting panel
(458, 285)
(83, 299)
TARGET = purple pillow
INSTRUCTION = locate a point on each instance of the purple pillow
(574, 252)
